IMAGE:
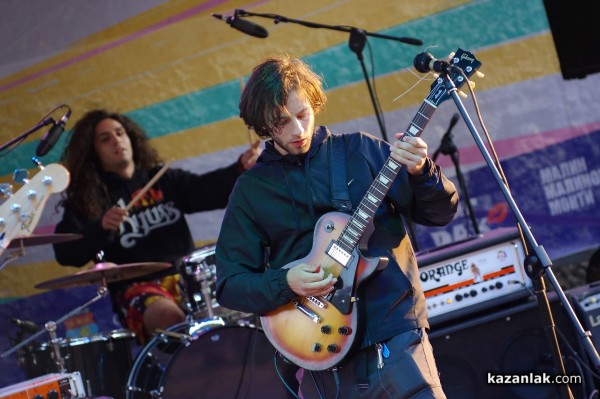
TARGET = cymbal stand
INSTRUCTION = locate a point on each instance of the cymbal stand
(58, 358)
(12, 256)
(206, 293)
(50, 327)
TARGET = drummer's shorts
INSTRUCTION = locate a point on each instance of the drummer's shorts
(132, 302)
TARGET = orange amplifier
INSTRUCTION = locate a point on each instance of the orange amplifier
(49, 386)
(473, 275)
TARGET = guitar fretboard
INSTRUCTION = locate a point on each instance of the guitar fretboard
(365, 212)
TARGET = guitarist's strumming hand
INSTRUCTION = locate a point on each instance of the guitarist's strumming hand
(309, 280)
(410, 151)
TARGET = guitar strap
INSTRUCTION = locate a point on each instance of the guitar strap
(337, 174)
(340, 198)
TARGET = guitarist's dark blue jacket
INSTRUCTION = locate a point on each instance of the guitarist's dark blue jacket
(272, 213)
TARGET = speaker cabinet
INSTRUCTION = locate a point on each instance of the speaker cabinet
(576, 34)
(508, 341)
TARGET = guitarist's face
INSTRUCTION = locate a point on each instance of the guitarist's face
(296, 126)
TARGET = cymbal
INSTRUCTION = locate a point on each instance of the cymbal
(41, 239)
(103, 273)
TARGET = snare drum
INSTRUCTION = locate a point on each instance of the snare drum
(198, 286)
(104, 361)
(209, 359)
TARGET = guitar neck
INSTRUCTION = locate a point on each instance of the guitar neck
(365, 212)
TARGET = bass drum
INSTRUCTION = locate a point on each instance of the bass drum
(208, 359)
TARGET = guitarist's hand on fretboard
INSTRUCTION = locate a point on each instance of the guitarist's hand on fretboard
(309, 280)
(410, 151)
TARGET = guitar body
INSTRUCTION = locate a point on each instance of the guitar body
(296, 335)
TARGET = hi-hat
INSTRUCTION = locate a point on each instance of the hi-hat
(103, 273)
(41, 239)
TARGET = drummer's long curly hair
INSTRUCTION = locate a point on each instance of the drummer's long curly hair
(87, 194)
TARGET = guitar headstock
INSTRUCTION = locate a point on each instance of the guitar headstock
(20, 213)
(461, 59)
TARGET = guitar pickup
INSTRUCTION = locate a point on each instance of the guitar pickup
(316, 301)
(311, 315)
(339, 254)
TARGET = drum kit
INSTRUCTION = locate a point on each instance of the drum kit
(215, 353)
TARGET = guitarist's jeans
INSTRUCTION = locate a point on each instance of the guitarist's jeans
(408, 372)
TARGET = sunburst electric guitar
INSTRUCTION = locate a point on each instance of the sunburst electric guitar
(20, 213)
(316, 333)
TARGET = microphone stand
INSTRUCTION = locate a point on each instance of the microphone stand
(537, 263)
(358, 38)
(448, 147)
(46, 120)
(21, 137)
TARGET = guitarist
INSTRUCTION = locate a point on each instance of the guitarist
(270, 221)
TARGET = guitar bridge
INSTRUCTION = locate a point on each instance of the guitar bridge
(311, 315)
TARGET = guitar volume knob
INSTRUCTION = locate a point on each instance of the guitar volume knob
(333, 348)
(326, 329)
(317, 347)
(345, 330)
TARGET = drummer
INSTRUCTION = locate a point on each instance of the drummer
(110, 160)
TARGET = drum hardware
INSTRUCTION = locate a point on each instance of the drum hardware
(19, 244)
(50, 326)
(184, 338)
(206, 293)
(99, 359)
(197, 284)
(58, 358)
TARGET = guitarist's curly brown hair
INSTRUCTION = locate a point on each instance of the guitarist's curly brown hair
(86, 194)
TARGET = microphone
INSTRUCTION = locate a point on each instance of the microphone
(424, 62)
(27, 326)
(249, 28)
(51, 137)
(452, 123)
(447, 146)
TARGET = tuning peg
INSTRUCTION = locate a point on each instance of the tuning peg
(462, 94)
(472, 84)
(20, 175)
(6, 190)
(480, 74)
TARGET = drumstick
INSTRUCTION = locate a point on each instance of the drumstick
(148, 185)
